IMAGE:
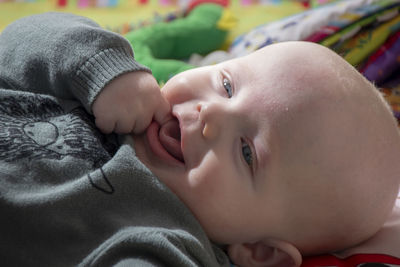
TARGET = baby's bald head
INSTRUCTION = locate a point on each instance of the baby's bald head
(339, 150)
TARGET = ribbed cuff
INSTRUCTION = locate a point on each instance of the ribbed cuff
(99, 70)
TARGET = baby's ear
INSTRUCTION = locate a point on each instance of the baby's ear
(271, 253)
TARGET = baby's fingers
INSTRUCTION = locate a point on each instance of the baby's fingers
(142, 122)
(106, 125)
(123, 126)
(162, 112)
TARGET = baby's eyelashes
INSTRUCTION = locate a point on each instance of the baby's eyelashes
(247, 153)
(228, 87)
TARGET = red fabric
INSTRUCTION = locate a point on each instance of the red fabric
(352, 261)
(195, 3)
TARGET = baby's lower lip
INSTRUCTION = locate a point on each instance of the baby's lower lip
(156, 147)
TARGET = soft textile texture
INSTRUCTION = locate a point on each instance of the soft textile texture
(70, 195)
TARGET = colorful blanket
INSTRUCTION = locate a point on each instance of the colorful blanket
(364, 32)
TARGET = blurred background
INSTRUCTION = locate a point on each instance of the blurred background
(124, 15)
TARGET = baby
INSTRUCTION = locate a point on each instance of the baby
(289, 148)
(280, 154)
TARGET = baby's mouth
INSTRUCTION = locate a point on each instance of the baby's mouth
(170, 138)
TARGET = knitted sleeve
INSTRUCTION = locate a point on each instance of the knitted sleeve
(63, 55)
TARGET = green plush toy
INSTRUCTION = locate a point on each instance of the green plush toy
(163, 46)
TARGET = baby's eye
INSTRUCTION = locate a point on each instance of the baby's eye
(247, 153)
(228, 87)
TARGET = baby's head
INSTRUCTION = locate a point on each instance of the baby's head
(288, 149)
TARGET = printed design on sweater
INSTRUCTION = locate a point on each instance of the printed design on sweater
(34, 127)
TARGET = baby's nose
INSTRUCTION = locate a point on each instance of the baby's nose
(209, 131)
(211, 118)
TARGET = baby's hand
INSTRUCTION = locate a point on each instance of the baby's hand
(129, 103)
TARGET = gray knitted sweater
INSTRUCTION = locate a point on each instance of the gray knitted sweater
(70, 195)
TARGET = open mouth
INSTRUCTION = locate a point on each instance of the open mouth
(165, 141)
(170, 138)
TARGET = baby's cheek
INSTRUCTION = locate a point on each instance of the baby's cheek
(215, 182)
(205, 175)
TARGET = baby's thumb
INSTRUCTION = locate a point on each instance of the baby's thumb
(163, 112)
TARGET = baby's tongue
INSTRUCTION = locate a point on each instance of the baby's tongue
(170, 138)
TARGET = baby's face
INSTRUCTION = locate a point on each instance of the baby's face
(231, 150)
(251, 133)
(226, 116)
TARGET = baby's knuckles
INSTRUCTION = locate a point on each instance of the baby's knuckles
(128, 103)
